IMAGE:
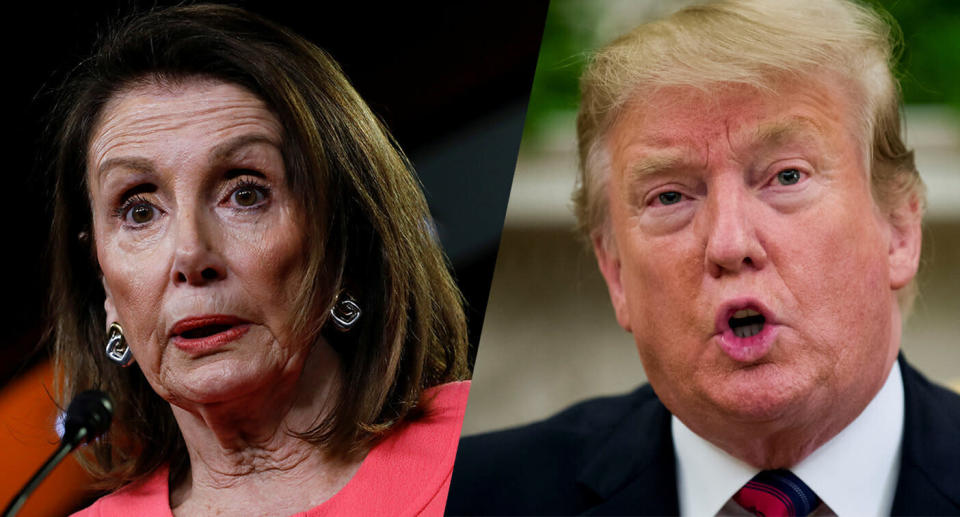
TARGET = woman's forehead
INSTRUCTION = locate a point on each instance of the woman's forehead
(150, 120)
(147, 101)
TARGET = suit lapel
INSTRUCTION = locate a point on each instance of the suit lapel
(929, 482)
(633, 471)
(633, 468)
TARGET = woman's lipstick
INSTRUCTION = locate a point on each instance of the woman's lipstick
(745, 329)
(203, 334)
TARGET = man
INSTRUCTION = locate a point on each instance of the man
(756, 216)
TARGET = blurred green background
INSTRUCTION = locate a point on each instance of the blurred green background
(929, 66)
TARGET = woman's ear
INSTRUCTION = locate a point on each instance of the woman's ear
(117, 348)
(109, 306)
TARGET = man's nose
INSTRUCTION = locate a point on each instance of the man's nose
(730, 226)
(196, 260)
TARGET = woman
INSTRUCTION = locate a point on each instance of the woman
(231, 218)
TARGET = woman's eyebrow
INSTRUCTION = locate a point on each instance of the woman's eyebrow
(126, 162)
(230, 147)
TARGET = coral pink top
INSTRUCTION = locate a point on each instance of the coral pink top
(405, 474)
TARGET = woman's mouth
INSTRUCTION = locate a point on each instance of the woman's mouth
(203, 334)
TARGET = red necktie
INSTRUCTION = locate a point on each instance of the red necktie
(777, 493)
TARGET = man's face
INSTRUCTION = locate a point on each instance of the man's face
(748, 258)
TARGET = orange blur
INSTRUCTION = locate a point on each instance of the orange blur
(27, 438)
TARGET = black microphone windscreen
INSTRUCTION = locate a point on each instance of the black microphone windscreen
(88, 416)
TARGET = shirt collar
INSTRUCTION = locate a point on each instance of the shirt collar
(854, 473)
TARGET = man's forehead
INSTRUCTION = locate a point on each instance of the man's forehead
(673, 124)
(658, 133)
(653, 151)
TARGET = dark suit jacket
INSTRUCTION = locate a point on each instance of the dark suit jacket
(614, 456)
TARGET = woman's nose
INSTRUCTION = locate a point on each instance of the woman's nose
(196, 260)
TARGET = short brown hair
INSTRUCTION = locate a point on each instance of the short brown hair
(368, 230)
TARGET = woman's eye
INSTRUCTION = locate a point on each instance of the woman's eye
(140, 214)
(788, 177)
(248, 196)
(669, 198)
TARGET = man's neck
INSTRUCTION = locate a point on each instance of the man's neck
(856, 469)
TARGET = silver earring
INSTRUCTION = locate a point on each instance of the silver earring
(345, 312)
(117, 349)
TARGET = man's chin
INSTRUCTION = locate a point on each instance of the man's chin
(759, 394)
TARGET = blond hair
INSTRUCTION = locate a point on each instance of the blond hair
(753, 43)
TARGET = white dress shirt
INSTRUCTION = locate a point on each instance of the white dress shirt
(854, 473)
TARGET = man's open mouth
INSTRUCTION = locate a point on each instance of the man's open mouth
(746, 323)
(746, 329)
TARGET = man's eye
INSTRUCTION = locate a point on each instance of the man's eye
(669, 198)
(788, 176)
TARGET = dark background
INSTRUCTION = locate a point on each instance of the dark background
(450, 80)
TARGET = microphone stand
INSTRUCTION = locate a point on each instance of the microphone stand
(58, 455)
(87, 417)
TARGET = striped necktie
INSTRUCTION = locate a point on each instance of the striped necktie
(777, 493)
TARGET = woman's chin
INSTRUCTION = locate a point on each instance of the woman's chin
(219, 382)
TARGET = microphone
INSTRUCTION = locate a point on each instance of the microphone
(88, 416)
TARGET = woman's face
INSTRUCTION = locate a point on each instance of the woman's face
(199, 238)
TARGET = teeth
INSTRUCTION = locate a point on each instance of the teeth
(748, 330)
(743, 313)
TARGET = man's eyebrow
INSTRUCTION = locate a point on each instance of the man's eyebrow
(782, 131)
(232, 146)
(656, 163)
